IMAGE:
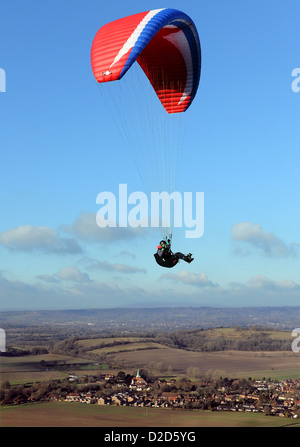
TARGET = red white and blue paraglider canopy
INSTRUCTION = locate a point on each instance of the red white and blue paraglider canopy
(166, 45)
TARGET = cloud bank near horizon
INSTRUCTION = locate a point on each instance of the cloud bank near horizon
(72, 289)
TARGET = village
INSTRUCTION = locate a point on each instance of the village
(274, 398)
(271, 397)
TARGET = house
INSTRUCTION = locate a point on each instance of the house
(73, 378)
(86, 398)
(170, 397)
(109, 377)
(117, 400)
(138, 383)
(104, 400)
(73, 397)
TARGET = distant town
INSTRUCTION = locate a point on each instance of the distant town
(274, 398)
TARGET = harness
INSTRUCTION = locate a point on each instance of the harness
(166, 262)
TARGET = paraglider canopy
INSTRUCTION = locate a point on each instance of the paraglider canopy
(166, 45)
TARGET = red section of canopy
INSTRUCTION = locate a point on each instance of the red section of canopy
(165, 68)
(107, 44)
(156, 40)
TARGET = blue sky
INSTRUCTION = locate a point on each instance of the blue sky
(59, 149)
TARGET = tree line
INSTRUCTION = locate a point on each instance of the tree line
(257, 340)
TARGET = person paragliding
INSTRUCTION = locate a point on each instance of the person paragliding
(166, 258)
(165, 44)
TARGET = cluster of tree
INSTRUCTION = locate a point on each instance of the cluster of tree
(38, 391)
(67, 346)
(19, 394)
(199, 341)
(15, 352)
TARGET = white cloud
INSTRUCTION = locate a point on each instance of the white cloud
(248, 234)
(194, 279)
(29, 238)
(262, 282)
(48, 278)
(85, 228)
(121, 268)
(79, 294)
(69, 273)
(20, 295)
(72, 273)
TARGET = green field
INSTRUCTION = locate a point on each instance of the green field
(104, 341)
(110, 345)
(208, 340)
(242, 333)
(35, 368)
(126, 347)
(62, 414)
(275, 365)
